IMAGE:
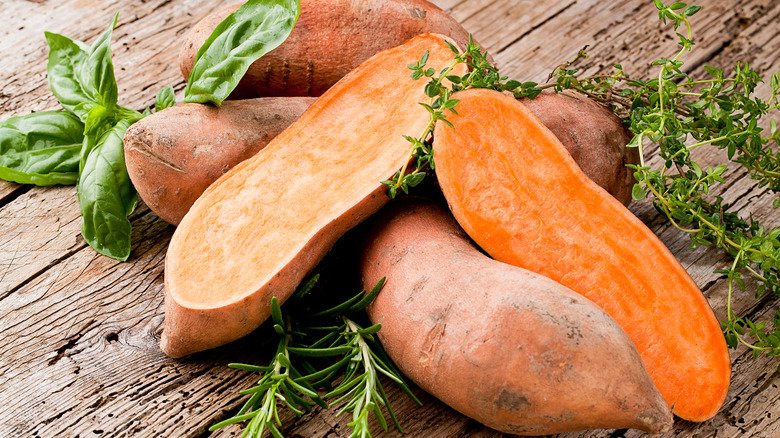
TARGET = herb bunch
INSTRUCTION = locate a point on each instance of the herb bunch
(83, 145)
(326, 350)
(481, 74)
(679, 114)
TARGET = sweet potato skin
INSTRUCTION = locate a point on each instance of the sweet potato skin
(526, 202)
(593, 135)
(331, 38)
(172, 156)
(258, 230)
(514, 350)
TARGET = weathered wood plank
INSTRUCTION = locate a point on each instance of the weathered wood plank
(83, 357)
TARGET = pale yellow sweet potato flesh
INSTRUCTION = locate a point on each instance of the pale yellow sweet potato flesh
(173, 155)
(514, 350)
(258, 230)
(330, 38)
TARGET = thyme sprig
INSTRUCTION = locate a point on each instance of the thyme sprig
(679, 114)
(481, 74)
(319, 347)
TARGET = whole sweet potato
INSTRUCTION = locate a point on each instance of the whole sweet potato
(173, 155)
(514, 350)
(331, 38)
(593, 135)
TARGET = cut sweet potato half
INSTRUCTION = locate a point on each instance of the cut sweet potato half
(521, 197)
(259, 229)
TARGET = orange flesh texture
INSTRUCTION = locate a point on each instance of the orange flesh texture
(521, 197)
(255, 219)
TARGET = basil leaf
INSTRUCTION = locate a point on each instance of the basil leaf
(165, 98)
(96, 75)
(66, 57)
(41, 148)
(105, 193)
(250, 32)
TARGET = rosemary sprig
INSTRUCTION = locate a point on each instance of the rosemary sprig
(361, 387)
(316, 348)
(279, 384)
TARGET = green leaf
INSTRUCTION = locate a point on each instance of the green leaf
(96, 74)
(452, 47)
(731, 340)
(512, 84)
(692, 10)
(677, 5)
(81, 76)
(369, 297)
(637, 192)
(276, 312)
(319, 352)
(66, 57)
(250, 32)
(432, 89)
(414, 179)
(41, 148)
(370, 330)
(105, 193)
(165, 98)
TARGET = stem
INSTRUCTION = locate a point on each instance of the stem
(428, 128)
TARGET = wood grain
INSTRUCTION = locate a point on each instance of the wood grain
(81, 331)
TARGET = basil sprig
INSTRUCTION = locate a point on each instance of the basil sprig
(83, 145)
(82, 79)
(253, 30)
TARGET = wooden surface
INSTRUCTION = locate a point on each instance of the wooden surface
(80, 355)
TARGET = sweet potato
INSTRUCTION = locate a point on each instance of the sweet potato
(330, 38)
(593, 135)
(172, 156)
(514, 350)
(521, 197)
(256, 232)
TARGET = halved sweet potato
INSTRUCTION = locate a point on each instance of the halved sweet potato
(331, 38)
(512, 349)
(172, 156)
(521, 197)
(258, 230)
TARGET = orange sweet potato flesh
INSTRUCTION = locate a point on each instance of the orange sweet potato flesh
(259, 229)
(593, 135)
(521, 197)
(512, 349)
(173, 155)
(330, 38)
